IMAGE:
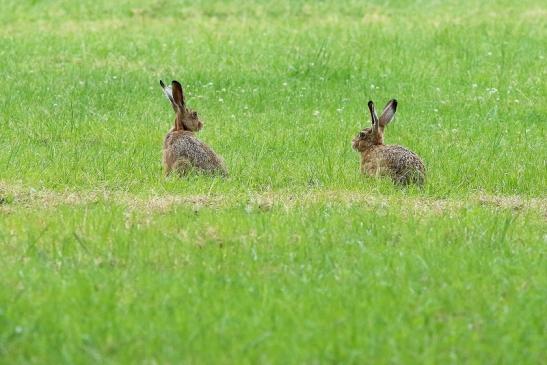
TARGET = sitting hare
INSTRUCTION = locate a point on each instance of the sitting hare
(182, 151)
(378, 159)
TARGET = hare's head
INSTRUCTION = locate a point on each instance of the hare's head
(374, 135)
(186, 119)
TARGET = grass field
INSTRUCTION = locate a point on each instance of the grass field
(296, 257)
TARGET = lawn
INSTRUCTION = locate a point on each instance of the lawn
(295, 257)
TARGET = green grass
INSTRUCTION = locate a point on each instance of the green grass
(296, 257)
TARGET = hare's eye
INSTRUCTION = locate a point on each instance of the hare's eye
(361, 134)
(195, 114)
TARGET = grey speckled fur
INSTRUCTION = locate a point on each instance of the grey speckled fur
(377, 159)
(397, 162)
(183, 151)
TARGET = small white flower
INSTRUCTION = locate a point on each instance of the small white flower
(316, 113)
(372, 86)
(220, 100)
(436, 110)
(492, 90)
(474, 86)
(438, 89)
(339, 110)
(285, 84)
(517, 101)
(489, 53)
(245, 107)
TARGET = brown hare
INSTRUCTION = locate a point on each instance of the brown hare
(378, 159)
(182, 151)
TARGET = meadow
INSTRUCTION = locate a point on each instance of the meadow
(295, 257)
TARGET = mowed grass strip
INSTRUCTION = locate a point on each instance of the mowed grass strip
(16, 197)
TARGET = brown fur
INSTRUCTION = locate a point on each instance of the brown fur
(182, 151)
(377, 159)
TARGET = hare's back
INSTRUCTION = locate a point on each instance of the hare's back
(403, 164)
(398, 156)
(186, 145)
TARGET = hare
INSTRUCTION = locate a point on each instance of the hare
(378, 159)
(182, 151)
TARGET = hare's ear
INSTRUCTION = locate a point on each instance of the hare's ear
(373, 116)
(168, 94)
(388, 113)
(178, 94)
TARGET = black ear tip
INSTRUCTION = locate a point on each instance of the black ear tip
(176, 84)
(370, 103)
(162, 84)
